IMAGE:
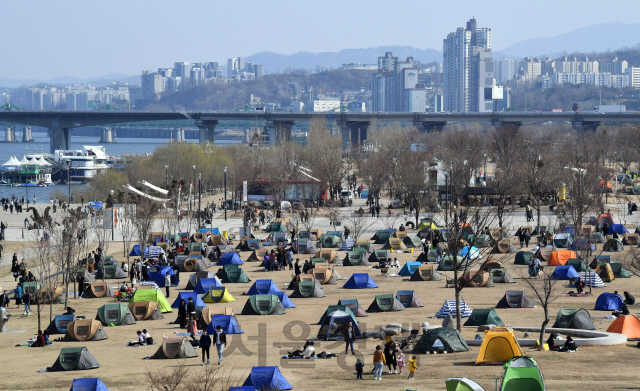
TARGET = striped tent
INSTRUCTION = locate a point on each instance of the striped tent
(449, 308)
(596, 281)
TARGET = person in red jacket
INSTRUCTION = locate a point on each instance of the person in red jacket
(40, 341)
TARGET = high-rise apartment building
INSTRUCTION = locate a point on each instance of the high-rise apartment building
(153, 84)
(505, 69)
(530, 68)
(395, 86)
(387, 62)
(468, 69)
(634, 76)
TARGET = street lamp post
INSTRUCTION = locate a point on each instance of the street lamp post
(225, 193)
(166, 177)
(194, 185)
(199, 196)
(69, 180)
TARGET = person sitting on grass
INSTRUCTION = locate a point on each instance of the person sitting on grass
(569, 345)
(629, 299)
(551, 343)
(298, 353)
(141, 340)
(40, 340)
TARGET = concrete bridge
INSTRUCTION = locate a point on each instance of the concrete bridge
(278, 125)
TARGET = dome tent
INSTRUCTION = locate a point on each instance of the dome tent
(499, 346)
(522, 373)
(441, 339)
(267, 378)
(74, 359)
(628, 325)
(609, 302)
(360, 281)
(462, 384)
(569, 318)
(175, 347)
(116, 314)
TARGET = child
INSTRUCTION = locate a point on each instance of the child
(359, 368)
(400, 358)
(412, 368)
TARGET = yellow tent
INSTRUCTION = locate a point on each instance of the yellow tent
(499, 346)
(394, 244)
(427, 225)
(218, 295)
(605, 272)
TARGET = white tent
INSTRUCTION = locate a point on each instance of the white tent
(25, 161)
(12, 162)
(596, 281)
(41, 161)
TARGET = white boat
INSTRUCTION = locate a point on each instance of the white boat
(85, 165)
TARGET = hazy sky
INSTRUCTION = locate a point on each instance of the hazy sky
(46, 39)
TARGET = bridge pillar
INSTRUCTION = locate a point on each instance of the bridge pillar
(246, 135)
(358, 132)
(60, 138)
(511, 124)
(428, 126)
(206, 129)
(26, 135)
(9, 134)
(107, 135)
(584, 126)
(279, 131)
(345, 137)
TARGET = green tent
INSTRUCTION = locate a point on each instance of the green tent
(263, 305)
(175, 238)
(446, 262)
(385, 303)
(522, 374)
(480, 317)
(233, 274)
(152, 295)
(619, 271)
(330, 241)
(462, 384)
(412, 242)
(116, 314)
(306, 289)
(338, 307)
(74, 359)
(365, 246)
(635, 190)
(441, 339)
(354, 258)
(482, 241)
(195, 247)
(580, 266)
(32, 287)
(523, 257)
(382, 237)
(571, 318)
(315, 261)
(277, 226)
(379, 255)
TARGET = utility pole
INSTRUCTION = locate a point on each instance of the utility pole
(225, 193)
(199, 197)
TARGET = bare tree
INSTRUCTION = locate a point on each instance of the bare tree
(126, 228)
(357, 224)
(68, 242)
(143, 222)
(208, 378)
(544, 291)
(44, 270)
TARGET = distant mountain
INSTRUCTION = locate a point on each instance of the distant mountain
(597, 38)
(66, 80)
(274, 62)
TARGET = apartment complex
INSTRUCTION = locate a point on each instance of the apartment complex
(395, 87)
(78, 97)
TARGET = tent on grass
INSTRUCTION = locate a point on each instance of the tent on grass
(593, 278)
(157, 274)
(514, 299)
(204, 285)
(564, 272)
(263, 287)
(605, 272)
(426, 273)
(59, 324)
(324, 275)
(233, 274)
(329, 255)
(284, 299)
(263, 305)
(394, 244)
(619, 271)
(175, 347)
(85, 330)
(613, 245)
(152, 295)
(409, 299)
(609, 302)
(306, 289)
(441, 339)
(491, 264)
(499, 346)
(218, 295)
(227, 322)
(304, 246)
(501, 276)
(267, 378)
(88, 384)
(74, 359)
(116, 314)
(571, 318)
(54, 295)
(98, 289)
(229, 259)
(355, 307)
(333, 325)
(338, 307)
(562, 240)
(330, 241)
(409, 268)
(523, 257)
(186, 296)
(144, 310)
(449, 308)
(195, 277)
(578, 264)
(360, 281)
(412, 242)
(257, 256)
(628, 325)
(385, 303)
(477, 279)
(522, 374)
(560, 257)
(483, 316)
(355, 258)
(462, 384)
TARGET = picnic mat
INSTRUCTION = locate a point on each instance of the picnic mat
(578, 295)
(311, 358)
(149, 344)
(188, 334)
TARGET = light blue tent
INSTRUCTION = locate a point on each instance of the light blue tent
(267, 378)
(470, 253)
(263, 287)
(59, 324)
(360, 281)
(88, 384)
(284, 299)
(228, 324)
(230, 259)
(564, 272)
(185, 296)
(204, 285)
(409, 268)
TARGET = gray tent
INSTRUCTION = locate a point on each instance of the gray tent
(514, 299)
(74, 359)
(195, 277)
(448, 322)
(111, 272)
(86, 275)
(569, 318)
(175, 347)
(306, 289)
(385, 303)
(501, 276)
(441, 339)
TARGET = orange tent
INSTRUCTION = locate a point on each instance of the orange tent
(561, 257)
(628, 325)
(605, 184)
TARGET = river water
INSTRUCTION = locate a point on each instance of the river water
(41, 145)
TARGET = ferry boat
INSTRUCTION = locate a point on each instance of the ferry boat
(85, 163)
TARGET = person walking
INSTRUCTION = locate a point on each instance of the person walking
(290, 258)
(359, 368)
(349, 336)
(205, 345)
(400, 357)
(378, 211)
(378, 363)
(221, 340)
(167, 283)
(521, 238)
(18, 295)
(390, 357)
(413, 366)
(630, 207)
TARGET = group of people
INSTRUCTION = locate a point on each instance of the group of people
(392, 356)
(278, 260)
(569, 345)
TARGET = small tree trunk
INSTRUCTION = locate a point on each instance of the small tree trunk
(538, 213)
(457, 293)
(38, 307)
(543, 329)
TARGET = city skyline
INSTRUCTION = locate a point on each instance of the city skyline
(135, 37)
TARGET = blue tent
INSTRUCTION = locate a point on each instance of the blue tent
(263, 287)
(360, 281)
(88, 384)
(284, 299)
(228, 324)
(582, 244)
(564, 272)
(569, 230)
(243, 388)
(409, 268)
(267, 378)
(618, 228)
(204, 285)
(230, 259)
(475, 253)
(214, 231)
(59, 324)
(155, 251)
(609, 302)
(157, 273)
(186, 296)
